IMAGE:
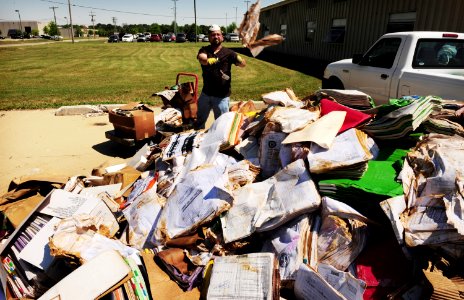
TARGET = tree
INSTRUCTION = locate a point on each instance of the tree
(77, 30)
(232, 27)
(155, 28)
(34, 32)
(52, 29)
(46, 29)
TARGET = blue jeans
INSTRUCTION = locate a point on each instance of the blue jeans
(205, 104)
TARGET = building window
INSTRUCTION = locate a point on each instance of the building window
(265, 29)
(337, 31)
(283, 30)
(401, 22)
(310, 31)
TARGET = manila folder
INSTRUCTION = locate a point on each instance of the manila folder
(93, 279)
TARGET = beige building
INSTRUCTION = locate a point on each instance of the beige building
(27, 26)
(330, 30)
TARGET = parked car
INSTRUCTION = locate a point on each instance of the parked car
(181, 38)
(46, 37)
(60, 38)
(191, 37)
(205, 39)
(169, 37)
(231, 37)
(156, 37)
(200, 37)
(402, 64)
(141, 38)
(15, 34)
(2, 37)
(114, 38)
(128, 38)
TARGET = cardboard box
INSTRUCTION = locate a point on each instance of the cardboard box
(139, 125)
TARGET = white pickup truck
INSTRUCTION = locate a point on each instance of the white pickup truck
(404, 63)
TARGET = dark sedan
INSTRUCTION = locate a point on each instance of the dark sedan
(181, 38)
(113, 38)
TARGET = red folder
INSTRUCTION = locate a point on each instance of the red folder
(353, 117)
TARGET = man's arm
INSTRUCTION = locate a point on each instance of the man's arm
(202, 58)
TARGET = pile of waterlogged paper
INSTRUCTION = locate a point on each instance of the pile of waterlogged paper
(304, 198)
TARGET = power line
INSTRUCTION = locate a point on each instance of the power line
(110, 10)
(130, 12)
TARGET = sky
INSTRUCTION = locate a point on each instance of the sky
(221, 12)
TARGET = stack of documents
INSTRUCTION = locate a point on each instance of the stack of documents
(443, 126)
(290, 244)
(351, 98)
(342, 236)
(434, 195)
(282, 98)
(404, 120)
(248, 276)
(265, 205)
(378, 183)
(347, 157)
(225, 130)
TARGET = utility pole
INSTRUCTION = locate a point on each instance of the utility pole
(114, 22)
(226, 22)
(70, 21)
(54, 16)
(175, 16)
(195, 13)
(93, 23)
(236, 15)
(247, 1)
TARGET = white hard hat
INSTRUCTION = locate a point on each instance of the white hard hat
(214, 27)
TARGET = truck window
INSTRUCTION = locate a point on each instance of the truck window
(382, 54)
(439, 53)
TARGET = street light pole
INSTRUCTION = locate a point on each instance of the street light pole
(20, 23)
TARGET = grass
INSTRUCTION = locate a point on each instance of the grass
(63, 73)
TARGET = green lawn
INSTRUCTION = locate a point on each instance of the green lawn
(63, 73)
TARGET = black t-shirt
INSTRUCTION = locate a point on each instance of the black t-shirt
(217, 77)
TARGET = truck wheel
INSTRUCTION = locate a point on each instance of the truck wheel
(333, 83)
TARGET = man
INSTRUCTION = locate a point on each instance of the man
(216, 62)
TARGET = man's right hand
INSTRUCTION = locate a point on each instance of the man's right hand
(212, 60)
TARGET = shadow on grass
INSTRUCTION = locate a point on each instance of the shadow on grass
(305, 65)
